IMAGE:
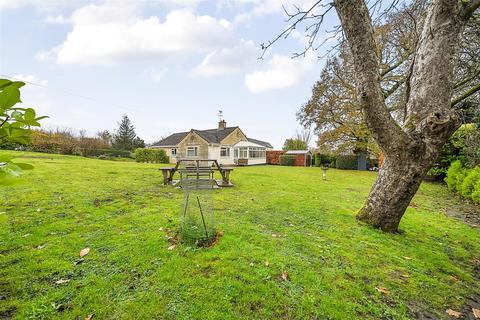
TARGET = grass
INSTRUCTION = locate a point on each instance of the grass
(277, 221)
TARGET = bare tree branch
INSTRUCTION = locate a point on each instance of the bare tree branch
(467, 94)
(469, 8)
(358, 29)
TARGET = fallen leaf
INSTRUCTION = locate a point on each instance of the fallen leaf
(161, 228)
(62, 281)
(476, 313)
(26, 235)
(41, 246)
(383, 290)
(267, 263)
(89, 317)
(84, 252)
(251, 264)
(453, 313)
(407, 258)
(455, 278)
(172, 240)
(173, 246)
(284, 276)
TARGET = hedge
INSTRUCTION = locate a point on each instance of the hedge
(287, 160)
(348, 162)
(465, 182)
(151, 155)
(113, 153)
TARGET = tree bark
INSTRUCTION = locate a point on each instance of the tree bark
(396, 184)
(409, 150)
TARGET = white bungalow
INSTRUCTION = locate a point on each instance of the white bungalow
(227, 145)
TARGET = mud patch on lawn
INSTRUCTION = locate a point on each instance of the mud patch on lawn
(463, 210)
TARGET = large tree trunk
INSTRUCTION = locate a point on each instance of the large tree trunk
(411, 149)
(396, 184)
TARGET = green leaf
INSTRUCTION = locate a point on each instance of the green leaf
(9, 97)
(17, 115)
(17, 84)
(24, 166)
(4, 83)
(29, 114)
(10, 169)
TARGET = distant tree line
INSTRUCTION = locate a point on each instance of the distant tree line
(121, 143)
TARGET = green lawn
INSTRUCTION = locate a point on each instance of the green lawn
(276, 220)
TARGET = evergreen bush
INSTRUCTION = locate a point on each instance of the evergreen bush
(322, 159)
(464, 181)
(287, 160)
(472, 177)
(348, 162)
(151, 155)
(452, 173)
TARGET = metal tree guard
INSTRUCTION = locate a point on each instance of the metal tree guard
(197, 223)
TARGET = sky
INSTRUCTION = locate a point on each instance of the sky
(169, 65)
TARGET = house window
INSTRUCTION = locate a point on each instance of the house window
(192, 151)
(224, 152)
(255, 152)
(243, 153)
(235, 152)
(174, 151)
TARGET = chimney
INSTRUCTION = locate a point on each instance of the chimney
(222, 124)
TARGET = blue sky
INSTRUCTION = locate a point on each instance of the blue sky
(170, 65)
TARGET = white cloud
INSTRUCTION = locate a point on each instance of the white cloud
(266, 7)
(111, 32)
(40, 5)
(58, 19)
(239, 58)
(15, 3)
(282, 72)
(30, 78)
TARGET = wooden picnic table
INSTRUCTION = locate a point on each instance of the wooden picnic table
(199, 170)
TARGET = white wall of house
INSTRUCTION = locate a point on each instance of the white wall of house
(214, 152)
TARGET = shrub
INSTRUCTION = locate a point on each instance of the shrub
(463, 145)
(114, 153)
(452, 173)
(348, 162)
(140, 155)
(322, 159)
(476, 192)
(151, 155)
(90, 146)
(287, 160)
(464, 181)
(472, 177)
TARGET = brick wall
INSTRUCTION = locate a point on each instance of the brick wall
(299, 160)
(273, 156)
